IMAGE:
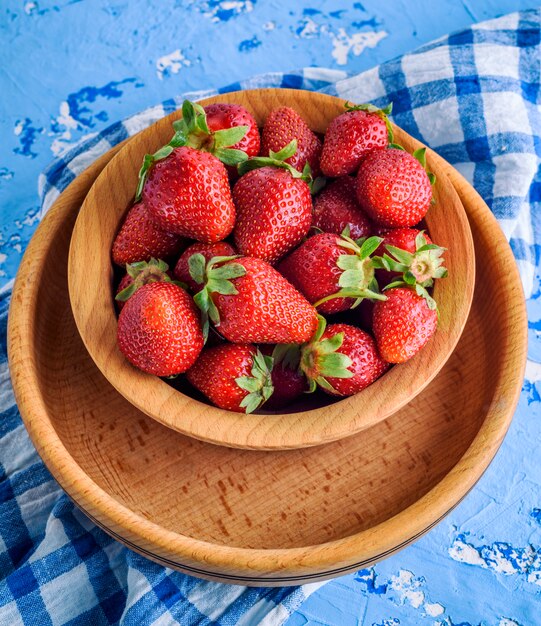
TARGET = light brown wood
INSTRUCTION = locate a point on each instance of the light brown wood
(90, 285)
(251, 517)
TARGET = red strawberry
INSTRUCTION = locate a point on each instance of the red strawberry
(250, 302)
(188, 193)
(274, 207)
(159, 330)
(208, 250)
(221, 116)
(403, 324)
(351, 136)
(234, 377)
(409, 258)
(140, 238)
(193, 131)
(288, 381)
(341, 359)
(281, 127)
(393, 187)
(139, 274)
(333, 272)
(336, 208)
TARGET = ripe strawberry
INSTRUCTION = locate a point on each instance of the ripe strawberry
(188, 193)
(333, 272)
(140, 238)
(250, 302)
(234, 377)
(336, 208)
(208, 250)
(139, 274)
(409, 258)
(221, 116)
(288, 381)
(351, 136)
(403, 324)
(341, 359)
(274, 207)
(159, 330)
(281, 127)
(393, 187)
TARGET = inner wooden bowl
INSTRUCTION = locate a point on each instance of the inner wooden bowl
(90, 276)
(252, 517)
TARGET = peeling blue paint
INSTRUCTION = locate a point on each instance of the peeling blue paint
(536, 515)
(26, 134)
(368, 578)
(6, 174)
(249, 44)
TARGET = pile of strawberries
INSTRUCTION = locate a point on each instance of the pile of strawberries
(271, 234)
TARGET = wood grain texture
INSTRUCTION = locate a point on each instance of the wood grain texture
(91, 293)
(253, 517)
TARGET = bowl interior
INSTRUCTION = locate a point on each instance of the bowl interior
(91, 292)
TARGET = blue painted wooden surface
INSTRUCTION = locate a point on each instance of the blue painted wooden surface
(69, 68)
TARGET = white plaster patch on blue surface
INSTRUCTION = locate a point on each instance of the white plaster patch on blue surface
(268, 26)
(315, 24)
(5, 173)
(401, 588)
(30, 7)
(171, 63)
(344, 44)
(500, 558)
(224, 10)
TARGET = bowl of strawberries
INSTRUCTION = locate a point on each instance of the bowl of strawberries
(271, 269)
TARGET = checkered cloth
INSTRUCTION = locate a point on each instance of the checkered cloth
(474, 97)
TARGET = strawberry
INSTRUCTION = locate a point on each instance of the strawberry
(281, 127)
(333, 272)
(140, 238)
(341, 359)
(403, 324)
(208, 250)
(234, 377)
(274, 206)
(352, 135)
(288, 381)
(393, 187)
(159, 330)
(409, 258)
(336, 208)
(250, 302)
(139, 274)
(221, 116)
(192, 130)
(188, 193)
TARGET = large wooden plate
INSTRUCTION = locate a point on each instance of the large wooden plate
(251, 517)
(91, 294)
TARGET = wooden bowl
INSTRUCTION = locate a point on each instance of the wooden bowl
(91, 294)
(252, 517)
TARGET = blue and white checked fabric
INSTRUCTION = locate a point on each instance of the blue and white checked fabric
(474, 97)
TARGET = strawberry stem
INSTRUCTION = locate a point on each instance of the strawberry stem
(143, 273)
(259, 384)
(214, 278)
(320, 359)
(357, 279)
